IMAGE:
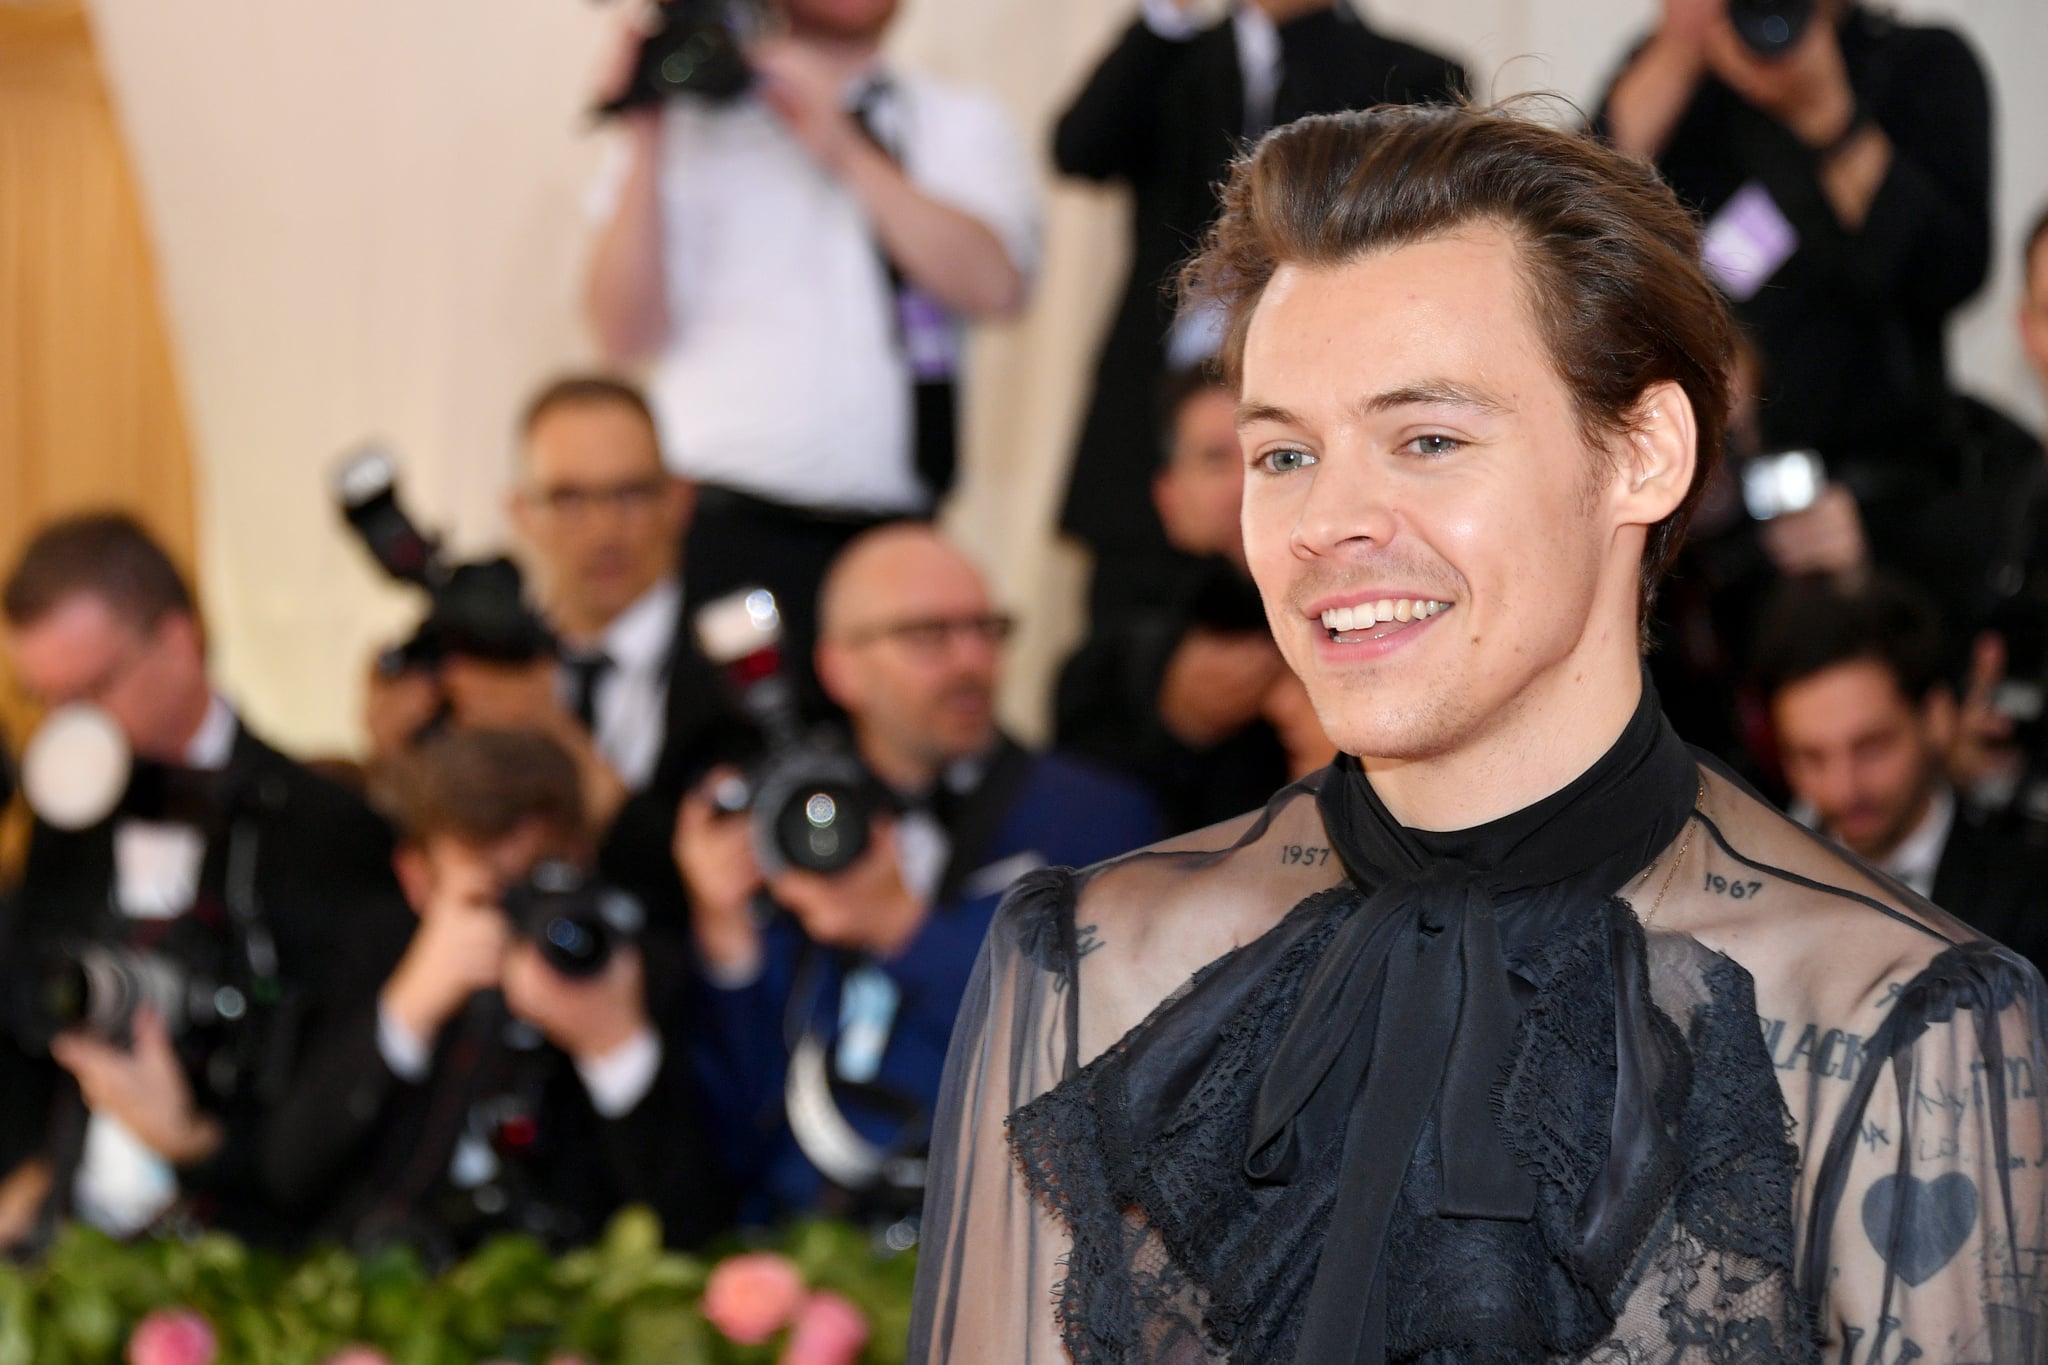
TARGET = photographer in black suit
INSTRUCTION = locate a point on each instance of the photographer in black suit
(601, 520)
(1865, 719)
(1164, 113)
(225, 857)
(484, 1085)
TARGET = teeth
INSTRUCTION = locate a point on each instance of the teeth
(1368, 614)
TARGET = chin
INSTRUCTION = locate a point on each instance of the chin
(1386, 722)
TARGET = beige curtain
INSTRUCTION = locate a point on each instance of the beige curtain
(89, 407)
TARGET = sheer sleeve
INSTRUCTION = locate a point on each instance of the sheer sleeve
(991, 1256)
(1930, 1214)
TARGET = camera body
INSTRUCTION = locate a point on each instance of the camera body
(1770, 28)
(694, 48)
(476, 610)
(576, 921)
(810, 801)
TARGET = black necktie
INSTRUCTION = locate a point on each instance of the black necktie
(585, 672)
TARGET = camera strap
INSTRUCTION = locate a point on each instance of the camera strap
(927, 335)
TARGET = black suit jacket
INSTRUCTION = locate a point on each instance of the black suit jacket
(1166, 117)
(1998, 885)
(321, 883)
(359, 1155)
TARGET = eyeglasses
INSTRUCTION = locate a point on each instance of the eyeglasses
(930, 634)
(575, 500)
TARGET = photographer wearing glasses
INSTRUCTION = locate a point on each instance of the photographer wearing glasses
(1841, 160)
(826, 1030)
(601, 521)
(231, 892)
(507, 1075)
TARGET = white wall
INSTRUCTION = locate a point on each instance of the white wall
(367, 220)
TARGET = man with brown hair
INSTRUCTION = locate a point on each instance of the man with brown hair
(1453, 1052)
(508, 1075)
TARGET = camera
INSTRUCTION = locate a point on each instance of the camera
(575, 921)
(1770, 28)
(811, 803)
(694, 48)
(476, 610)
(97, 988)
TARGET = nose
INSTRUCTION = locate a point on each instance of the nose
(1346, 508)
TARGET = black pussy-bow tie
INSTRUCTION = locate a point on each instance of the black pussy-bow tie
(1411, 1006)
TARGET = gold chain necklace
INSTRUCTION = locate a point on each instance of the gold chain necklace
(1683, 845)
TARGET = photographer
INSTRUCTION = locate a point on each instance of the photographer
(1191, 697)
(481, 1088)
(230, 862)
(797, 261)
(1865, 720)
(1163, 113)
(601, 521)
(864, 971)
(1845, 180)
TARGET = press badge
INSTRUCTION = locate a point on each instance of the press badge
(867, 1011)
(1747, 241)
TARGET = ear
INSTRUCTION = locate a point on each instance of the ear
(1658, 455)
(837, 673)
(1939, 714)
(415, 874)
(681, 501)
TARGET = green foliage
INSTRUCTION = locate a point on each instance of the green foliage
(624, 1301)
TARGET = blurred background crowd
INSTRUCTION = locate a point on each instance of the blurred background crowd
(551, 606)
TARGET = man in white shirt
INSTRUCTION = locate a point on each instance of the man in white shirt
(797, 263)
(224, 858)
(1865, 718)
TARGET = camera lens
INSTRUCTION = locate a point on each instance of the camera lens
(823, 827)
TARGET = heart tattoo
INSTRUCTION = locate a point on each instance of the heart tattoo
(1919, 1225)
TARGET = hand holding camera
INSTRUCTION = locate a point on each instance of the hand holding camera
(587, 1017)
(142, 1087)
(715, 854)
(1803, 85)
(865, 908)
(458, 950)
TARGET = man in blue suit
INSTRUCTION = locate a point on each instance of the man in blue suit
(823, 1033)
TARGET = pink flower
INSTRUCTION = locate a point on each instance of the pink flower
(829, 1331)
(172, 1338)
(359, 1355)
(751, 1296)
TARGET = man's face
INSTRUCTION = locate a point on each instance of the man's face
(602, 515)
(1200, 492)
(151, 681)
(1860, 752)
(1410, 448)
(2034, 311)
(843, 20)
(915, 662)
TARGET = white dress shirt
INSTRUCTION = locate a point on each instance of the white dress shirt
(782, 375)
(121, 1185)
(632, 695)
(1258, 52)
(1917, 859)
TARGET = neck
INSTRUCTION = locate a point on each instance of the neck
(583, 624)
(1281, 11)
(1557, 728)
(896, 767)
(191, 717)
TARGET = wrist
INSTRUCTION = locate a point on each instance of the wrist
(729, 944)
(900, 926)
(609, 1038)
(416, 1003)
(199, 1136)
(1830, 123)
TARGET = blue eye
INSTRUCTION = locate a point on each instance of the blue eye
(1435, 447)
(1285, 461)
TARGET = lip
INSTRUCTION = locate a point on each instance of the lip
(1369, 650)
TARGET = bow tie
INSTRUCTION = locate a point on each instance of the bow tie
(1412, 1007)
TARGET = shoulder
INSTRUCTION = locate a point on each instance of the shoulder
(1825, 937)
(1911, 51)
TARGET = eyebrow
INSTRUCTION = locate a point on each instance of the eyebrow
(1427, 393)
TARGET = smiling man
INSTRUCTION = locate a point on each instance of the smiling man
(1520, 1033)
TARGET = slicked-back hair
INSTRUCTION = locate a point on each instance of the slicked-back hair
(1609, 257)
(480, 786)
(106, 554)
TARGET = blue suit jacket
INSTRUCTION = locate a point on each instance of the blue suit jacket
(1059, 812)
